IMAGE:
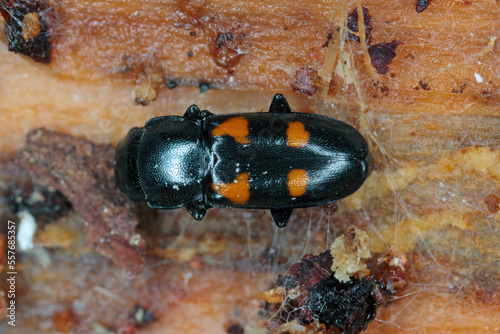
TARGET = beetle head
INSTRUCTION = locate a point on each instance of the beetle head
(126, 172)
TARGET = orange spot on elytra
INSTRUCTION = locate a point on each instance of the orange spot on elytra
(237, 192)
(236, 127)
(296, 135)
(297, 182)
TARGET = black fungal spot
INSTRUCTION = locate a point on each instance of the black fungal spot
(352, 24)
(424, 85)
(37, 42)
(45, 204)
(171, 84)
(329, 37)
(346, 307)
(487, 94)
(421, 5)
(204, 87)
(190, 54)
(382, 54)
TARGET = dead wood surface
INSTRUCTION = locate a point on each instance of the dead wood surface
(432, 121)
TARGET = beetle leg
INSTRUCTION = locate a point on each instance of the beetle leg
(205, 113)
(279, 105)
(281, 216)
(197, 209)
(194, 113)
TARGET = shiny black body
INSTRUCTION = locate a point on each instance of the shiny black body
(179, 161)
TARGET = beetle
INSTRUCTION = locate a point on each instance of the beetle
(278, 160)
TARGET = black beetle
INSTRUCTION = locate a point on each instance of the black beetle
(278, 160)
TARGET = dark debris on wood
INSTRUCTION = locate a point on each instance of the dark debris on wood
(83, 172)
(314, 298)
